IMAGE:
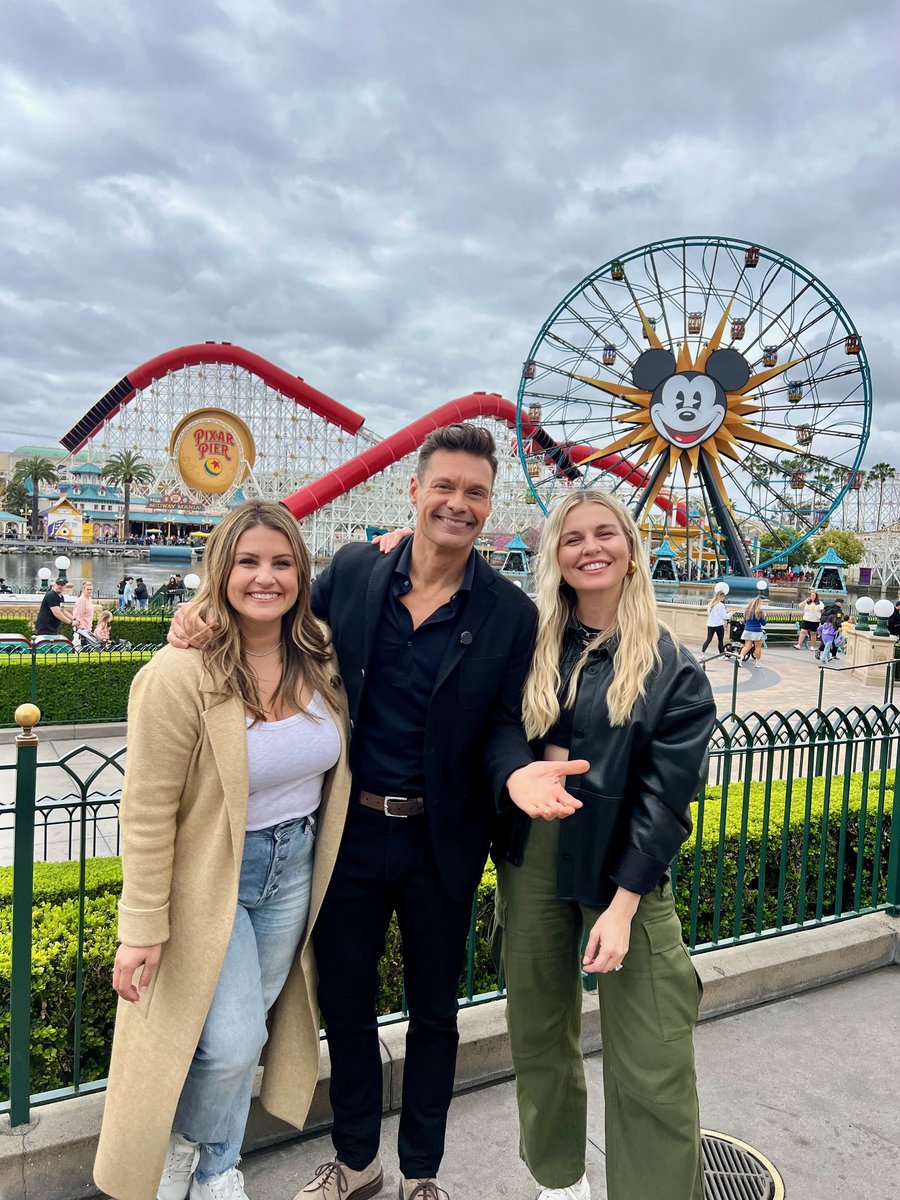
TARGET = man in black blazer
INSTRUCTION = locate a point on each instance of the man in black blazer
(433, 647)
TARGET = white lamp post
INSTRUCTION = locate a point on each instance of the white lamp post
(762, 585)
(62, 565)
(44, 576)
(192, 582)
(883, 609)
(864, 606)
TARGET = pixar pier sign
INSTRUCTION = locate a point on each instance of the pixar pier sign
(212, 450)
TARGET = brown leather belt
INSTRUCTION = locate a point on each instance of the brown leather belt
(394, 806)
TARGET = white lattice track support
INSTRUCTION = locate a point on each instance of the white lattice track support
(294, 446)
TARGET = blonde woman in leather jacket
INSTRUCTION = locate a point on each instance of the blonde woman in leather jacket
(609, 685)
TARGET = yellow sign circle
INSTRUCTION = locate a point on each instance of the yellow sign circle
(213, 450)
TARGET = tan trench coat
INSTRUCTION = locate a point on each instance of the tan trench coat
(184, 812)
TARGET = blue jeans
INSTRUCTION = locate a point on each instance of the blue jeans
(827, 651)
(273, 905)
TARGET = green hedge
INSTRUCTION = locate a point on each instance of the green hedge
(55, 912)
(823, 841)
(142, 629)
(16, 625)
(70, 688)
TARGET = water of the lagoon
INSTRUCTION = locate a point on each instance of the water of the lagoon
(20, 570)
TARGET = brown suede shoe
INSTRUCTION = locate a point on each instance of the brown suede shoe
(334, 1180)
(422, 1189)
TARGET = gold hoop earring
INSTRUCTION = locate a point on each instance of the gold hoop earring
(632, 566)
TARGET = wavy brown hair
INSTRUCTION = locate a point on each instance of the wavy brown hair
(306, 653)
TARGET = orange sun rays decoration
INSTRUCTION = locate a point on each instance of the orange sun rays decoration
(734, 429)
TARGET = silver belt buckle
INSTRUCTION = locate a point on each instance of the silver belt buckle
(396, 816)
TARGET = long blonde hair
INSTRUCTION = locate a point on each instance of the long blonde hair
(305, 643)
(635, 624)
(718, 598)
(754, 608)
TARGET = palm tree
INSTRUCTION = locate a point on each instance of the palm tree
(38, 470)
(880, 474)
(124, 469)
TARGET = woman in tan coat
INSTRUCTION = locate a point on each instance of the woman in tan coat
(236, 769)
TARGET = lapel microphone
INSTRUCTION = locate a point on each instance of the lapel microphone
(465, 638)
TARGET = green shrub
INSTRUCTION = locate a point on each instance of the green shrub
(54, 953)
(58, 881)
(16, 625)
(807, 808)
(142, 629)
(71, 689)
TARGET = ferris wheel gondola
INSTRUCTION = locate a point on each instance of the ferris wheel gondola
(700, 378)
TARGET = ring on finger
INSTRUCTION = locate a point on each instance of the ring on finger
(618, 967)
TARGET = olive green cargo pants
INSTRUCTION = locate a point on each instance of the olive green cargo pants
(647, 1015)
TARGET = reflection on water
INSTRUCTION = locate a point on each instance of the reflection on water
(21, 570)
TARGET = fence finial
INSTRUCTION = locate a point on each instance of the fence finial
(27, 716)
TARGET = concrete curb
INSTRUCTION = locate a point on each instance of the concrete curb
(51, 1158)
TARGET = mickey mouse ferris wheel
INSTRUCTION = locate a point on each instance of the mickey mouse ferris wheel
(715, 386)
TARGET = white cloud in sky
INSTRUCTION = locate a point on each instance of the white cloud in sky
(388, 198)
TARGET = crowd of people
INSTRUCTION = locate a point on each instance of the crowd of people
(341, 752)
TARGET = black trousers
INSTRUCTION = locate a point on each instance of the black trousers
(719, 632)
(386, 865)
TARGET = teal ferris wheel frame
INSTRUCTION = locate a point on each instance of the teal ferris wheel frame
(593, 407)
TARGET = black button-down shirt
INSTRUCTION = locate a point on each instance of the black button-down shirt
(388, 746)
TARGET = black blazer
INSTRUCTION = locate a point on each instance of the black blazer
(473, 733)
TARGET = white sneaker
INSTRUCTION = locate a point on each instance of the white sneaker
(182, 1157)
(575, 1191)
(227, 1186)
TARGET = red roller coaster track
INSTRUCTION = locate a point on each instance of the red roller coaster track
(349, 474)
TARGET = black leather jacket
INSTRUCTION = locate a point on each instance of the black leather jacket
(643, 775)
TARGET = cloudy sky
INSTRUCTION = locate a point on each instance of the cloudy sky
(388, 197)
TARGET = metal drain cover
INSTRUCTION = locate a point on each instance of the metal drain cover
(732, 1170)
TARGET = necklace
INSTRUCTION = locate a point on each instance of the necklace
(264, 653)
(585, 632)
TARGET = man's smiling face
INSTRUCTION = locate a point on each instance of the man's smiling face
(452, 499)
(687, 408)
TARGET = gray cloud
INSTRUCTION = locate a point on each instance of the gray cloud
(390, 198)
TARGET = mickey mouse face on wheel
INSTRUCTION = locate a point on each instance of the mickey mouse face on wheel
(687, 407)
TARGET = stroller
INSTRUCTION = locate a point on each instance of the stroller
(83, 639)
(735, 630)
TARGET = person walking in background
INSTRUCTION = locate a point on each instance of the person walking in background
(128, 593)
(716, 616)
(827, 635)
(221, 887)
(812, 615)
(754, 626)
(894, 620)
(609, 684)
(141, 594)
(83, 609)
(51, 612)
(120, 588)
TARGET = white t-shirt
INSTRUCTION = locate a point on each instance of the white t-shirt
(717, 617)
(813, 612)
(288, 760)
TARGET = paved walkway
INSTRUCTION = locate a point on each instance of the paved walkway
(807, 1081)
(788, 679)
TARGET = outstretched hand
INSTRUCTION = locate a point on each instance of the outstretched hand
(386, 542)
(539, 791)
(188, 630)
